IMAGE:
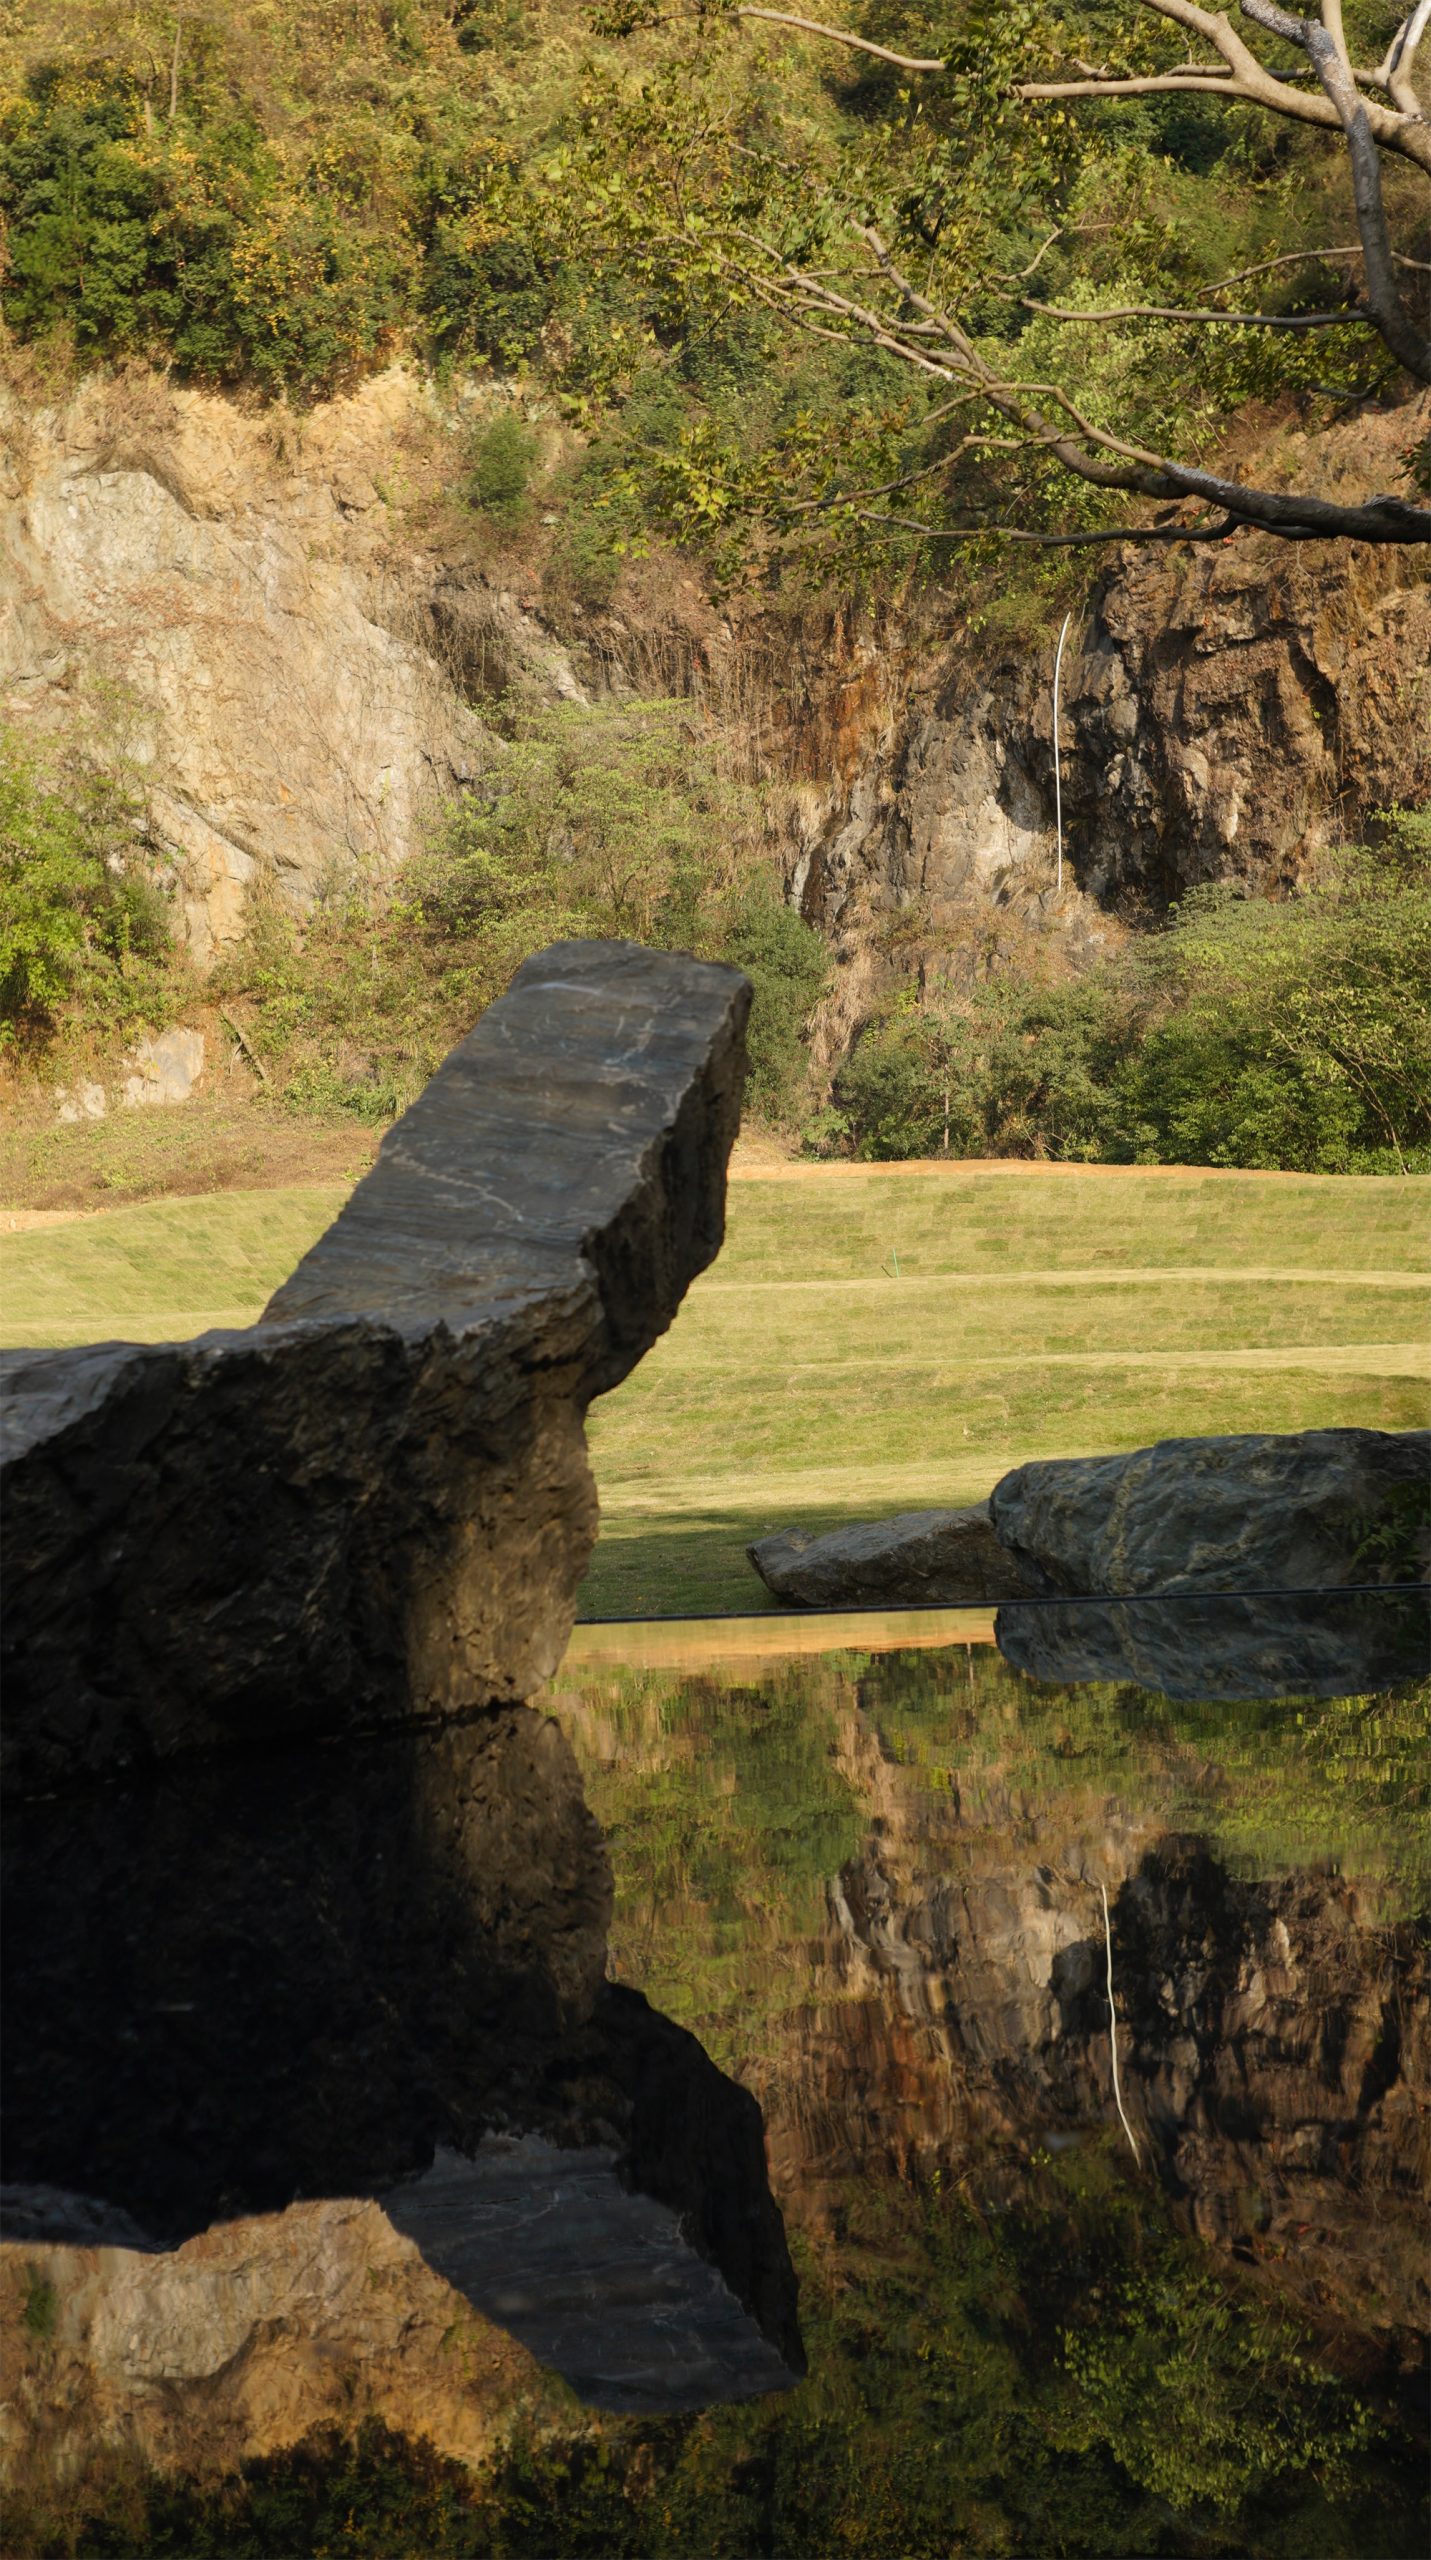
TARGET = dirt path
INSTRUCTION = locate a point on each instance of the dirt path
(1102, 1275)
(751, 1169)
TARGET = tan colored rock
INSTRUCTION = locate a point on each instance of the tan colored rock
(166, 1069)
(241, 2342)
(222, 575)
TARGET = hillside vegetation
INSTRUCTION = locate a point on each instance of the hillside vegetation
(281, 196)
(277, 199)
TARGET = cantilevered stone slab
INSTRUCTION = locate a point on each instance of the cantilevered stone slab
(299, 1892)
(376, 1503)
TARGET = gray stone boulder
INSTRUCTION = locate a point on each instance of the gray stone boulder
(950, 1559)
(1256, 1511)
(375, 1504)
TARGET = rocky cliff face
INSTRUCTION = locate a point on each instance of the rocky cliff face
(1271, 2034)
(1226, 713)
(299, 644)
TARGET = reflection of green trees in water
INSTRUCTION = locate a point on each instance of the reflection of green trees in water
(1269, 1784)
(1061, 2379)
(1038, 2366)
(728, 1804)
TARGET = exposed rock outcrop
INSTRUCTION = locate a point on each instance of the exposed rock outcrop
(300, 1891)
(303, 644)
(944, 1558)
(1250, 1511)
(221, 582)
(1226, 713)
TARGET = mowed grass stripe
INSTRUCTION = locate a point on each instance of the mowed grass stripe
(932, 1319)
(1032, 1316)
(171, 1265)
(836, 1225)
(1164, 1276)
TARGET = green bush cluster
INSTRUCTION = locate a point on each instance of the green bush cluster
(615, 821)
(1289, 1033)
(84, 923)
(190, 244)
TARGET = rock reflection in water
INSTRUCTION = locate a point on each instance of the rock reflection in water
(874, 1887)
(1237, 1645)
(293, 1975)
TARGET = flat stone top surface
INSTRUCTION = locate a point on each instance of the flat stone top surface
(546, 1124)
(594, 2278)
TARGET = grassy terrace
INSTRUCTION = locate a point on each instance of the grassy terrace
(1035, 1313)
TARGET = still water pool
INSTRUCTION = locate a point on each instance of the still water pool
(1090, 2030)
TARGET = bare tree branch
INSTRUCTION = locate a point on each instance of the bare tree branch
(906, 324)
(1228, 319)
(943, 350)
(1198, 532)
(1325, 46)
(1393, 73)
(1246, 78)
(839, 35)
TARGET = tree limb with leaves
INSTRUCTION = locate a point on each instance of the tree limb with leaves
(923, 322)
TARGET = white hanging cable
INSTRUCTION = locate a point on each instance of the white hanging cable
(1057, 777)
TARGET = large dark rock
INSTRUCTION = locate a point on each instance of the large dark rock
(377, 1503)
(1258, 1511)
(303, 1901)
(950, 1559)
(1221, 1550)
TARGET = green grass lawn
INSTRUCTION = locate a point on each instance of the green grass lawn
(1032, 1315)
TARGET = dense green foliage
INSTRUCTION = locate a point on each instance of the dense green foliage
(1291, 1033)
(84, 928)
(575, 195)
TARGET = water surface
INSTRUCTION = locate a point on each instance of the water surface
(1078, 2275)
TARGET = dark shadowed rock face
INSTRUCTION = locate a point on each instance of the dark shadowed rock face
(945, 1558)
(376, 1503)
(301, 1895)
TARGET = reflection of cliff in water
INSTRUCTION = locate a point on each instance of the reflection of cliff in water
(874, 1887)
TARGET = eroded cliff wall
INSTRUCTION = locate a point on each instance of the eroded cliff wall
(288, 623)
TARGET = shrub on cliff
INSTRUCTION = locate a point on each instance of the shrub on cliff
(84, 930)
(1292, 1034)
(622, 820)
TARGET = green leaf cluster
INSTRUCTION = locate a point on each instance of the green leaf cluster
(84, 922)
(1291, 1033)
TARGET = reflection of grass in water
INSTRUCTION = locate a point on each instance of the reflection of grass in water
(1046, 2374)
(725, 1815)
